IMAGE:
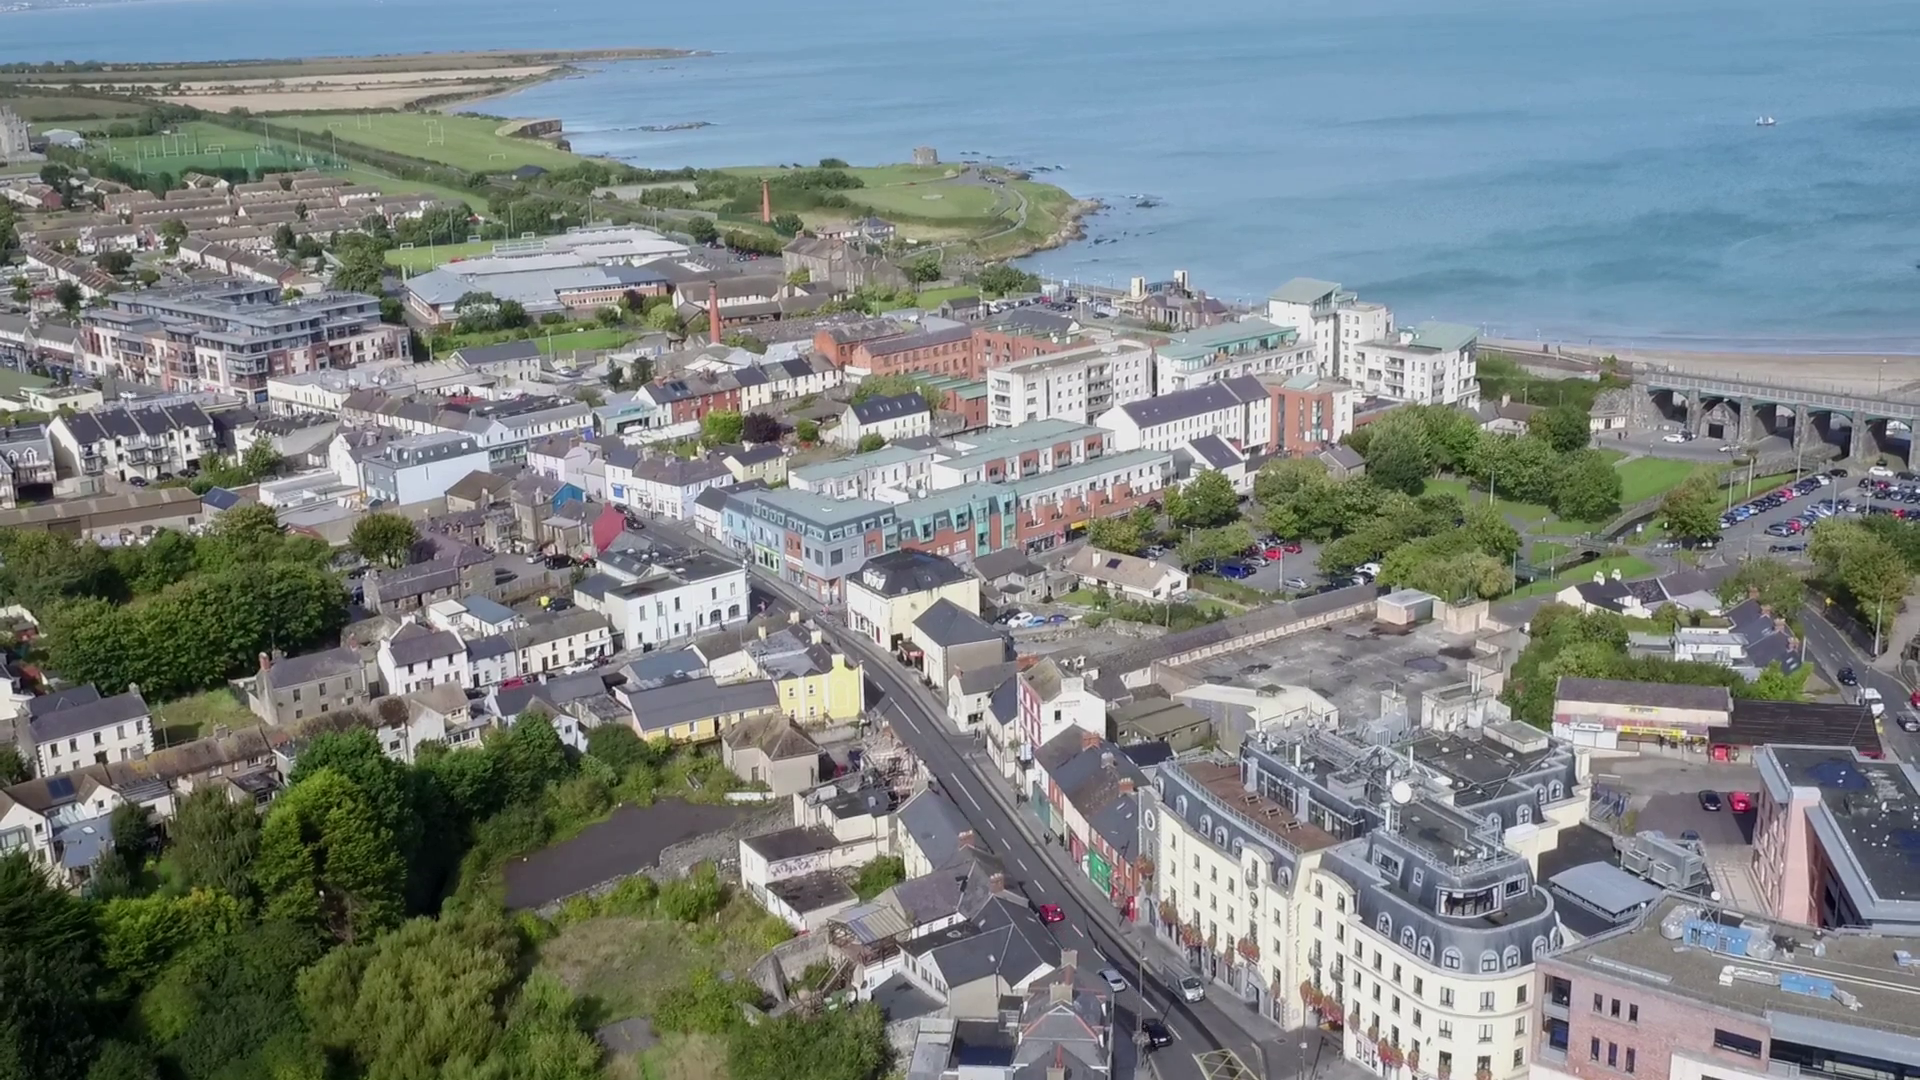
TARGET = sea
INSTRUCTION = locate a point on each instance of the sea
(1567, 170)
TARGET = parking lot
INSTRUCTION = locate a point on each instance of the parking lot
(1272, 575)
(1665, 796)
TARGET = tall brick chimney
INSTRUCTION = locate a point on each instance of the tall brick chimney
(713, 311)
(766, 204)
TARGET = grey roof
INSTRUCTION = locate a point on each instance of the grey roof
(876, 409)
(487, 648)
(678, 472)
(555, 693)
(1010, 560)
(1604, 887)
(656, 668)
(1214, 450)
(715, 498)
(689, 700)
(311, 667)
(1004, 938)
(418, 644)
(1302, 290)
(120, 421)
(492, 611)
(947, 623)
(919, 340)
(753, 455)
(77, 716)
(1195, 401)
(475, 355)
(984, 680)
(1343, 455)
(935, 824)
(62, 699)
(220, 499)
(899, 573)
(1644, 694)
(791, 843)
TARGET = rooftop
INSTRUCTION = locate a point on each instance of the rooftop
(1644, 694)
(1867, 820)
(1845, 991)
(899, 573)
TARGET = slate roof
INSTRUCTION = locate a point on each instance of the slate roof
(947, 624)
(678, 472)
(984, 680)
(903, 572)
(935, 824)
(688, 700)
(998, 564)
(75, 715)
(1344, 456)
(555, 693)
(792, 842)
(120, 421)
(774, 736)
(1195, 401)
(1005, 938)
(1214, 450)
(311, 667)
(416, 643)
(1091, 781)
(754, 455)
(922, 339)
(875, 409)
(1302, 290)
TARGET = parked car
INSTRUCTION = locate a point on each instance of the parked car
(1371, 569)
(1910, 723)
(1740, 802)
(1690, 834)
(1049, 913)
(1114, 981)
(1674, 437)
(1710, 801)
(1875, 704)
(1191, 988)
(1158, 1033)
(1236, 571)
(1881, 471)
(1295, 583)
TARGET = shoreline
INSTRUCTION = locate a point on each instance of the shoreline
(1852, 371)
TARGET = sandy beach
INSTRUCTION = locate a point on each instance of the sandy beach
(1887, 374)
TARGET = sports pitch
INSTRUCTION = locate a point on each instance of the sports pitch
(464, 142)
(204, 146)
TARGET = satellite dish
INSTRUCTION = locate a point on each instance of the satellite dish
(1401, 792)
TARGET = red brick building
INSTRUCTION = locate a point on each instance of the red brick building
(838, 342)
(1308, 413)
(944, 351)
(997, 346)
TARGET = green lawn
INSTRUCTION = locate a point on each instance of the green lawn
(599, 338)
(422, 259)
(464, 142)
(1629, 566)
(1646, 477)
(933, 298)
(201, 144)
(190, 718)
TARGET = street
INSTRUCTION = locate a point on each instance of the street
(1092, 925)
(1831, 650)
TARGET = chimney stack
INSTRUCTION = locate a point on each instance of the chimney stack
(713, 311)
(965, 839)
(766, 204)
(1088, 740)
(1126, 785)
(997, 883)
(265, 661)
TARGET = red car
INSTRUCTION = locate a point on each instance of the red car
(1914, 698)
(1275, 552)
(1740, 801)
(1049, 913)
(1291, 547)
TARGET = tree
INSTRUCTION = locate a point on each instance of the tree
(1523, 469)
(172, 231)
(324, 858)
(384, 538)
(759, 427)
(1566, 427)
(231, 999)
(664, 319)
(139, 935)
(702, 229)
(616, 376)
(119, 1060)
(214, 841)
(283, 240)
(870, 442)
(1119, 534)
(1398, 457)
(68, 296)
(1870, 570)
(1775, 684)
(114, 262)
(878, 875)
(147, 277)
(1281, 477)
(788, 223)
(722, 426)
(1207, 502)
(1588, 487)
(1772, 582)
(740, 339)
(1001, 279)
(807, 431)
(56, 176)
(530, 756)
(923, 270)
(845, 1044)
(46, 974)
(799, 276)
(133, 835)
(1222, 543)
(13, 767)
(1692, 510)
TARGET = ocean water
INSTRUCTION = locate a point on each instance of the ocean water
(1570, 169)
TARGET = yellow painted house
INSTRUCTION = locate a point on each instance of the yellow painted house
(813, 683)
(697, 710)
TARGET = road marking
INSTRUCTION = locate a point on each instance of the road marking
(974, 801)
(1023, 864)
(1082, 933)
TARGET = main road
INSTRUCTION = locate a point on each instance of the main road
(1092, 927)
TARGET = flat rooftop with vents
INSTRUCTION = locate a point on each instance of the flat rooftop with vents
(1863, 835)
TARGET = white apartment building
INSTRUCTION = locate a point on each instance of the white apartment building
(1075, 385)
(1429, 364)
(1005, 454)
(889, 474)
(417, 657)
(1334, 320)
(124, 442)
(671, 602)
(77, 727)
(664, 485)
(1319, 876)
(1238, 410)
(420, 467)
(563, 639)
(1230, 350)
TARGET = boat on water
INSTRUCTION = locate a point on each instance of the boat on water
(1765, 121)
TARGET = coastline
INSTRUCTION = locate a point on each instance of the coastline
(1883, 372)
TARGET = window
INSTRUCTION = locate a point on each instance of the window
(1613, 1008)
(1520, 995)
(1419, 985)
(1633, 1014)
(1526, 814)
(1486, 1001)
(1511, 958)
(1385, 924)
(1520, 1025)
(1629, 1063)
(1486, 1033)
(1416, 1019)
(1316, 918)
(1599, 1002)
(1446, 1029)
(1406, 937)
(1395, 1006)
(1446, 997)
(1340, 903)
(1489, 962)
(1419, 877)
(1735, 1043)
(1318, 892)
(1426, 949)
(1613, 1055)
(1450, 959)
(1519, 1057)
(1396, 974)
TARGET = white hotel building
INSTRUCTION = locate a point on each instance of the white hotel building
(1076, 385)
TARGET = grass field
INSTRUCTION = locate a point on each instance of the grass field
(1629, 566)
(600, 338)
(465, 142)
(201, 144)
(193, 717)
(420, 259)
(619, 966)
(933, 298)
(1645, 477)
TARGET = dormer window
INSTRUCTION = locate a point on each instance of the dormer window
(1510, 959)
(1406, 938)
(1450, 959)
(1489, 962)
(1384, 924)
